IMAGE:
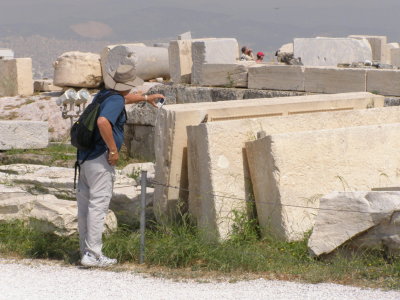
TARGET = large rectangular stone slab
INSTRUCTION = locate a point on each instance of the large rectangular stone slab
(226, 75)
(23, 135)
(16, 77)
(276, 77)
(387, 52)
(291, 171)
(212, 51)
(395, 56)
(333, 80)
(218, 175)
(383, 82)
(6, 53)
(180, 60)
(171, 137)
(377, 43)
(322, 51)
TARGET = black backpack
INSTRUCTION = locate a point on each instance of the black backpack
(82, 131)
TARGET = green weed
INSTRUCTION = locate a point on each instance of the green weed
(180, 246)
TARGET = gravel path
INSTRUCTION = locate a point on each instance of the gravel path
(42, 281)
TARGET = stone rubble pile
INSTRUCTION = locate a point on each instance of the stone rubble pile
(46, 194)
(46, 213)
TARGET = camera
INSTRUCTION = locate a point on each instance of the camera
(160, 102)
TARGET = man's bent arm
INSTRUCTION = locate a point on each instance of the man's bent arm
(106, 133)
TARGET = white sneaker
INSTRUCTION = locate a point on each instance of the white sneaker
(90, 260)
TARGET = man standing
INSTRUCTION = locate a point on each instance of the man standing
(97, 173)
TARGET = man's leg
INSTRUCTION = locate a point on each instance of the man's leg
(100, 178)
(82, 197)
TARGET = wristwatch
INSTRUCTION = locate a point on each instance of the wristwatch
(112, 152)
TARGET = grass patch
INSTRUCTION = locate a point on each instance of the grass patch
(180, 249)
(47, 156)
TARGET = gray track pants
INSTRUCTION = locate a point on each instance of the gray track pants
(94, 193)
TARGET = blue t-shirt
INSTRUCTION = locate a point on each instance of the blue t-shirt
(112, 109)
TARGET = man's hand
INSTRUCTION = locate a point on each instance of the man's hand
(153, 98)
(113, 157)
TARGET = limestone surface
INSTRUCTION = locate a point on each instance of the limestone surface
(227, 75)
(23, 134)
(334, 80)
(219, 175)
(395, 56)
(45, 85)
(212, 51)
(323, 51)
(180, 60)
(58, 181)
(44, 212)
(171, 136)
(377, 43)
(370, 219)
(383, 82)
(152, 62)
(387, 52)
(78, 69)
(290, 172)
(185, 36)
(16, 77)
(276, 77)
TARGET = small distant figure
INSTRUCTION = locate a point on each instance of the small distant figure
(247, 54)
(260, 57)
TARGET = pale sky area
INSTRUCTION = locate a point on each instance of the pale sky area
(261, 23)
(44, 29)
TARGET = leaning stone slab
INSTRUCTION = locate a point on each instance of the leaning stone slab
(383, 82)
(290, 172)
(370, 219)
(212, 51)
(218, 175)
(16, 77)
(333, 80)
(23, 135)
(323, 51)
(279, 77)
(78, 69)
(377, 43)
(171, 136)
(227, 75)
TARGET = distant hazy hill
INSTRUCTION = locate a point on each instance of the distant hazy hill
(44, 29)
(44, 50)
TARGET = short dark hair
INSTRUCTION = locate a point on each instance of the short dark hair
(244, 49)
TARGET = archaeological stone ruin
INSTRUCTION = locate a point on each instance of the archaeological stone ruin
(310, 139)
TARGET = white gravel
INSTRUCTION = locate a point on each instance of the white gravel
(43, 281)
